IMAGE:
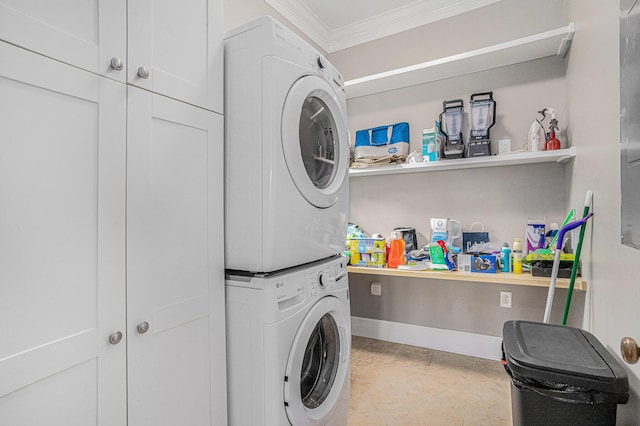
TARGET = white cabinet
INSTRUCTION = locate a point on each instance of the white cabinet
(165, 46)
(176, 45)
(110, 217)
(85, 34)
(62, 245)
(175, 263)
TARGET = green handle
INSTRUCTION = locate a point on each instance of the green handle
(576, 261)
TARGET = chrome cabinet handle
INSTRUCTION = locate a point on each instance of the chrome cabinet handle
(143, 327)
(117, 64)
(115, 338)
(630, 350)
(143, 72)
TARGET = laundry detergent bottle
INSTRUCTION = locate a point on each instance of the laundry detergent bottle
(396, 250)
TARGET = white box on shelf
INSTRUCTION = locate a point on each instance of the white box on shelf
(504, 146)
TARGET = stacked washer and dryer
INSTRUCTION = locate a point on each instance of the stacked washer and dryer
(286, 201)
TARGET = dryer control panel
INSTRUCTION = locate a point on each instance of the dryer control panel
(324, 67)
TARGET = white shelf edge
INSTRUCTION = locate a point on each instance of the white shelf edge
(560, 156)
(548, 43)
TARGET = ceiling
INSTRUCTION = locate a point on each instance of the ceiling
(338, 24)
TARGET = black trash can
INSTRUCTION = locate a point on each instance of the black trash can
(561, 376)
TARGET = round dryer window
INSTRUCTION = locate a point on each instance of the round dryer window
(318, 141)
(318, 364)
(315, 141)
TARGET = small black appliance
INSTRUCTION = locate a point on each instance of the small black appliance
(451, 126)
(483, 117)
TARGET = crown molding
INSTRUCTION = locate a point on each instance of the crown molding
(306, 21)
(383, 25)
(401, 19)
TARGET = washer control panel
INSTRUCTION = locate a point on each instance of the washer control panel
(291, 289)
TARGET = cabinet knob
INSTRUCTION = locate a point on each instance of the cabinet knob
(143, 72)
(630, 350)
(115, 338)
(143, 327)
(117, 64)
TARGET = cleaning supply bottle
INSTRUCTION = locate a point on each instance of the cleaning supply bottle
(537, 135)
(396, 250)
(517, 256)
(506, 258)
(552, 142)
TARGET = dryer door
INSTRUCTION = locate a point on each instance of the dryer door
(315, 140)
(318, 364)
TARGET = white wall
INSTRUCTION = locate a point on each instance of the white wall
(593, 95)
(472, 30)
(503, 199)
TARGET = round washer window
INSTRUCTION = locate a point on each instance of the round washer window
(317, 133)
(320, 362)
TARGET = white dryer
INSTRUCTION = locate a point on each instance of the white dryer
(289, 346)
(286, 150)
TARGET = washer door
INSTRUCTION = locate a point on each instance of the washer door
(318, 363)
(315, 141)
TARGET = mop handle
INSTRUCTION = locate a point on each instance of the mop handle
(576, 262)
(568, 227)
(556, 263)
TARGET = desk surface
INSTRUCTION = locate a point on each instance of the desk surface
(524, 279)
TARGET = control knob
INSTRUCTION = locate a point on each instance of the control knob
(325, 280)
(321, 62)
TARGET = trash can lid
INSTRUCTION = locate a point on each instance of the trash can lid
(560, 354)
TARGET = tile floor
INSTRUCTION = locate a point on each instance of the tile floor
(394, 384)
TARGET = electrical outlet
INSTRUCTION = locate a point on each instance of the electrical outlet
(505, 299)
(376, 288)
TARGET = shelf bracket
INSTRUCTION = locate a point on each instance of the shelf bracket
(565, 44)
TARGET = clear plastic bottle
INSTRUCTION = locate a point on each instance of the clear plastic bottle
(396, 250)
(517, 256)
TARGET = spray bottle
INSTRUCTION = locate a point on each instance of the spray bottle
(552, 142)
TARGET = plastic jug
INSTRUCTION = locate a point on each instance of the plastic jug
(396, 250)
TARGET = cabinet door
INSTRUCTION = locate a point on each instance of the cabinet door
(179, 44)
(175, 265)
(62, 241)
(86, 34)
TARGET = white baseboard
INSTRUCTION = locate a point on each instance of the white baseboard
(477, 345)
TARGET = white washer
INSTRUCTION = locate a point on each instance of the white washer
(289, 346)
(286, 151)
